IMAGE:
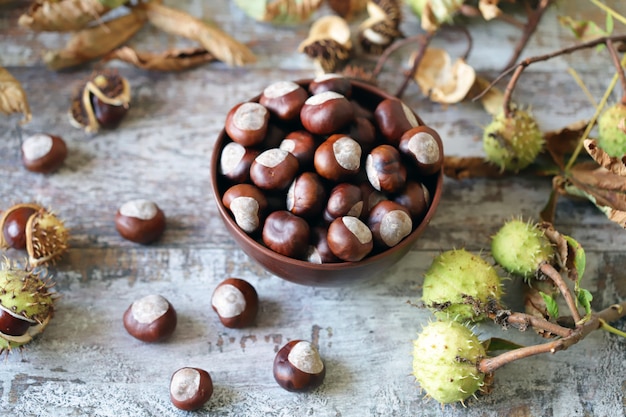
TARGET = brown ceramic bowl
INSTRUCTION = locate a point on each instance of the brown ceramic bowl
(329, 274)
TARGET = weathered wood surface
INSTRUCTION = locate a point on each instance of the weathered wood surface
(85, 364)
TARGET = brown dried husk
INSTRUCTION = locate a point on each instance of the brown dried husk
(12, 96)
(62, 16)
(95, 42)
(171, 60)
(348, 8)
(217, 42)
(46, 238)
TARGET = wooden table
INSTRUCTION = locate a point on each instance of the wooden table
(85, 364)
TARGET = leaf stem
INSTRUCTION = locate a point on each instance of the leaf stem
(619, 69)
(612, 313)
(560, 283)
(522, 321)
(606, 326)
(416, 63)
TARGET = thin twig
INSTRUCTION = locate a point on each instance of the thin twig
(534, 18)
(560, 283)
(612, 313)
(416, 63)
(526, 320)
(384, 57)
(618, 68)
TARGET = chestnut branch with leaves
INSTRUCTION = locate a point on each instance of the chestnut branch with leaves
(449, 361)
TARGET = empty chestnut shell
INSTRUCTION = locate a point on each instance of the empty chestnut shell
(140, 221)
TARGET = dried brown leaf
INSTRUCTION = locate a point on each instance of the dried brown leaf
(597, 177)
(62, 16)
(535, 305)
(171, 60)
(12, 96)
(461, 168)
(562, 142)
(95, 42)
(489, 9)
(615, 165)
(559, 242)
(217, 42)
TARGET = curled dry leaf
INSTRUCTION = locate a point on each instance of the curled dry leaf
(12, 96)
(171, 60)
(534, 303)
(462, 168)
(213, 39)
(615, 165)
(328, 43)
(584, 30)
(94, 42)
(65, 15)
(606, 190)
(562, 142)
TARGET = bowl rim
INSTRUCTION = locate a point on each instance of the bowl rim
(409, 240)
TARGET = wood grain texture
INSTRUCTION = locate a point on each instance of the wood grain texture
(85, 364)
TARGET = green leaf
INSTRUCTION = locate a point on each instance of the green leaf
(584, 298)
(579, 262)
(585, 30)
(495, 343)
(609, 23)
(551, 305)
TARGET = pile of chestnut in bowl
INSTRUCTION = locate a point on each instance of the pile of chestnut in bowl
(326, 181)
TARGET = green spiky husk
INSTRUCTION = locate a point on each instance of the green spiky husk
(611, 138)
(445, 359)
(25, 292)
(512, 143)
(456, 282)
(521, 247)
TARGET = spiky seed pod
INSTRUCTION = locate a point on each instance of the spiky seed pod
(445, 361)
(328, 54)
(521, 247)
(38, 230)
(26, 295)
(512, 143)
(459, 285)
(329, 43)
(611, 130)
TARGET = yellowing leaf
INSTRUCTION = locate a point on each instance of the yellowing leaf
(12, 96)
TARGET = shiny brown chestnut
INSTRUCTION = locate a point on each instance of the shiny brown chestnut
(150, 319)
(338, 158)
(424, 147)
(235, 162)
(331, 82)
(345, 199)
(43, 153)
(385, 170)
(326, 113)
(284, 99)
(319, 252)
(349, 238)
(286, 233)
(416, 198)
(389, 222)
(306, 195)
(371, 197)
(247, 123)
(364, 132)
(236, 303)
(274, 169)
(300, 144)
(12, 324)
(14, 223)
(298, 367)
(190, 388)
(247, 204)
(140, 221)
(393, 118)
